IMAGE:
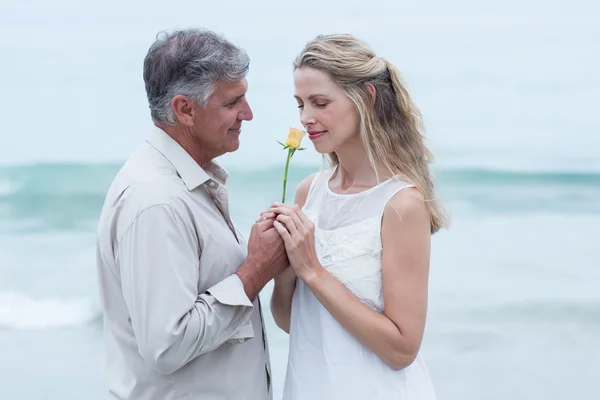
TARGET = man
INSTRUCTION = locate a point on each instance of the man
(178, 283)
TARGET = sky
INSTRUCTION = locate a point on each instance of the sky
(500, 83)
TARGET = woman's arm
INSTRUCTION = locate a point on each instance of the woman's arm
(396, 335)
(285, 282)
(281, 299)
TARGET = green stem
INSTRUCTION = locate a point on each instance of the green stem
(285, 174)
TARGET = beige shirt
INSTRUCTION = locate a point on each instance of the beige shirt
(178, 324)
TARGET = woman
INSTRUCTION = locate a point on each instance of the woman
(358, 237)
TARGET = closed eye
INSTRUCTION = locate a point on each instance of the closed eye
(234, 102)
(318, 105)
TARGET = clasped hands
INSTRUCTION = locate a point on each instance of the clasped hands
(298, 234)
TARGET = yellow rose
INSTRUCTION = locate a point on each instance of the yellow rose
(292, 144)
(294, 138)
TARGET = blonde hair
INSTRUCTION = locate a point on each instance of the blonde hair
(391, 127)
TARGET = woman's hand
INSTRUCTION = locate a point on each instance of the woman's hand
(298, 234)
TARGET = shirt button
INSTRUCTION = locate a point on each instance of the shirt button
(212, 184)
(241, 340)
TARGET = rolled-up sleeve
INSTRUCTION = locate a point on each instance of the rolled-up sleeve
(158, 260)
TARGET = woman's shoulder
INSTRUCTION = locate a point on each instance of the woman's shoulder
(304, 188)
(307, 185)
(407, 207)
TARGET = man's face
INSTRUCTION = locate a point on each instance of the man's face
(217, 126)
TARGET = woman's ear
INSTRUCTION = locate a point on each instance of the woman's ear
(372, 91)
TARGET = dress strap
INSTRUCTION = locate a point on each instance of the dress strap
(315, 192)
(394, 187)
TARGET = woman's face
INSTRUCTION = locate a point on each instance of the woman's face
(329, 115)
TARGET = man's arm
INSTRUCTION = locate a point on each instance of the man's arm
(172, 322)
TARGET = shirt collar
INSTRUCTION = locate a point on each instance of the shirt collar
(191, 173)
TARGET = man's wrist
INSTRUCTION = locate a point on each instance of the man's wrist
(250, 277)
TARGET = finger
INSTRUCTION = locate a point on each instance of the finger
(264, 216)
(270, 222)
(297, 221)
(285, 235)
(263, 225)
(283, 210)
(273, 210)
(270, 210)
(280, 206)
(288, 223)
(265, 219)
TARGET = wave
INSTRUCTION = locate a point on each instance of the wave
(23, 312)
(81, 182)
(7, 188)
(66, 179)
(70, 196)
(516, 177)
(451, 176)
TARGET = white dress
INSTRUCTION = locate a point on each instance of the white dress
(325, 361)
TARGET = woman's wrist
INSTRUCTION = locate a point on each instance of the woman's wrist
(286, 277)
(313, 275)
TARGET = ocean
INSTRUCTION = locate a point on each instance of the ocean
(514, 297)
(508, 90)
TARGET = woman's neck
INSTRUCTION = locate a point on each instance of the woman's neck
(355, 169)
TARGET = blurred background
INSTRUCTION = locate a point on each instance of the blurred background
(509, 91)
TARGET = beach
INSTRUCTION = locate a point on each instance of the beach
(508, 92)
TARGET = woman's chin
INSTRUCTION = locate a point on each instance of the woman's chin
(322, 148)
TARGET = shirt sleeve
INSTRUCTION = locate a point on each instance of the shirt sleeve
(158, 259)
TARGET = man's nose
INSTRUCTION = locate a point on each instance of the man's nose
(246, 112)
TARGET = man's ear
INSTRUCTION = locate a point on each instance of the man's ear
(372, 91)
(184, 110)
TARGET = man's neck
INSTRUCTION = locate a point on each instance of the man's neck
(185, 138)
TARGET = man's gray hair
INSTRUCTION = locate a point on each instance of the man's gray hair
(189, 62)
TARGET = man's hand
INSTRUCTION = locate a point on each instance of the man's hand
(266, 258)
(266, 249)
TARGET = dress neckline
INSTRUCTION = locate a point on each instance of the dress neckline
(357, 194)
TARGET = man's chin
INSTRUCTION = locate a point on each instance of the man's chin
(234, 145)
